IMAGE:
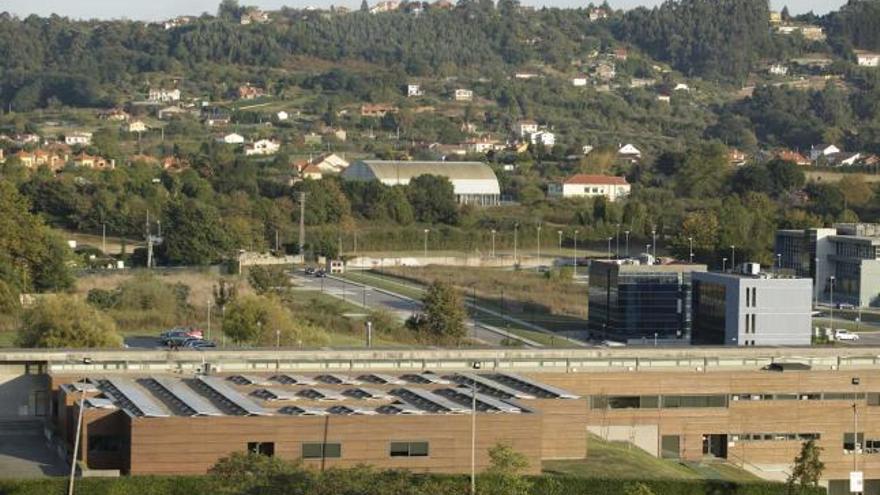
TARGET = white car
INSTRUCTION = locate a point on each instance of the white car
(845, 335)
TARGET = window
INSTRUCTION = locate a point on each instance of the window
(409, 449)
(262, 448)
(321, 450)
(848, 445)
(754, 326)
(670, 446)
(624, 402)
(693, 401)
(754, 300)
(105, 444)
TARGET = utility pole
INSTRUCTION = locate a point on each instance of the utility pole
(149, 237)
(515, 232)
(104, 237)
(302, 223)
(79, 421)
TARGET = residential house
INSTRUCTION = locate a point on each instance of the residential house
(484, 144)
(736, 157)
(775, 17)
(316, 168)
(681, 87)
(867, 59)
(443, 4)
(842, 159)
(253, 16)
(177, 22)
(163, 95)
(778, 70)
(793, 157)
(78, 139)
(597, 14)
(282, 116)
(447, 151)
(526, 127)
(262, 147)
(606, 71)
(170, 113)
(136, 126)
(579, 81)
(621, 54)
(463, 95)
(525, 75)
(813, 33)
(217, 121)
(84, 160)
(313, 139)
(115, 115)
(413, 90)
(385, 6)
(637, 82)
(250, 92)
(629, 153)
(587, 149)
(548, 139)
(821, 150)
(232, 138)
(173, 163)
(664, 98)
(39, 158)
(377, 109)
(588, 186)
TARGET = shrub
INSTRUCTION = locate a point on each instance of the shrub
(66, 321)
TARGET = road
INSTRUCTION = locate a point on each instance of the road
(379, 300)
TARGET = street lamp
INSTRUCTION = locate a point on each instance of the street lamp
(493, 243)
(426, 242)
(732, 258)
(627, 243)
(539, 246)
(691, 248)
(575, 252)
(778, 261)
(560, 240)
(474, 366)
(515, 235)
(723, 264)
(654, 243)
(617, 242)
(609, 247)
(831, 280)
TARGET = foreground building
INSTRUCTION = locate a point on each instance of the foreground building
(633, 302)
(589, 186)
(847, 256)
(756, 309)
(155, 412)
(474, 183)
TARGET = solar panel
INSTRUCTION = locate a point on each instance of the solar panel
(274, 394)
(232, 397)
(428, 400)
(351, 411)
(187, 397)
(337, 379)
(367, 393)
(487, 400)
(529, 383)
(99, 403)
(382, 378)
(302, 411)
(321, 394)
(132, 399)
(485, 384)
(288, 379)
(427, 378)
(399, 408)
(250, 380)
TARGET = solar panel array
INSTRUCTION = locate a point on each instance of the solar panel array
(184, 397)
(400, 408)
(381, 379)
(429, 401)
(272, 394)
(366, 393)
(321, 394)
(337, 379)
(290, 379)
(427, 377)
(351, 411)
(484, 402)
(129, 397)
(232, 397)
(534, 386)
(249, 380)
(302, 411)
(490, 386)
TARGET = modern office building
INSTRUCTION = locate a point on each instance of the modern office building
(632, 301)
(847, 256)
(751, 310)
(155, 412)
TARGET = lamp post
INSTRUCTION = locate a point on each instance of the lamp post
(515, 235)
(209, 318)
(627, 242)
(539, 246)
(732, 258)
(778, 261)
(493, 243)
(575, 252)
(691, 248)
(609, 247)
(723, 264)
(474, 366)
(654, 243)
(426, 242)
(831, 280)
(617, 242)
(560, 240)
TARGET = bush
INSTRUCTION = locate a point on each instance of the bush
(66, 321)
(265, 279)
(102, 298)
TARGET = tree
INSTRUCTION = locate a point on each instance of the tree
(504, 476)
(699, 229)
(365, 7)
(264, 321)
(443, 315)
(67, 321)
(807, 468)
(250, 472)
(229, 10)
(703, 171)
(267, 278)
(194, 235)
(433, 199)
(637, 488)
(856, 191)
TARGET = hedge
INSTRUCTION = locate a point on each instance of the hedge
(383, 484)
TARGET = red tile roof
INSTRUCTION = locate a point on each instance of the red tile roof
(597, 179)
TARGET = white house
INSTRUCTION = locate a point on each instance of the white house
(588, 186)
(232, 138)
(843, 159)
(681, 87)
(664, 98)
(821, 150)
(579, 81)
(548, 139)
(164, 95)
(587, 149)
(629, 151)
(137, 126)
(483, 145)
(78, 138)
(778, 70)
(526, 127)
(867, 59)
(282, 116)
(262, 147)
(413, 90)
(464, 95)
(473, 182)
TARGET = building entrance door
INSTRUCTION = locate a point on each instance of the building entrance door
(715, 445)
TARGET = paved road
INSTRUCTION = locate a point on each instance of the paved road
(376, 300)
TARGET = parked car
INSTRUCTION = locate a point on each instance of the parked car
(310, 270)
(321, 273)
(845, 306)
(178, 336)
(198, 344)
(845, 335)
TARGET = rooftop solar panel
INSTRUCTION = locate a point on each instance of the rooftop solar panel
(382, 378)
(321, 394)
(337, 379)
(233, 397)
(250, 380)
(367, 393)
(302, 411)
(275, 394)
(491, 386)
(289, 379)
(428, 378)
(349, 410)
(399, 408)
(133, 399)
(99, 403)
(528, 383)
(428, 400)
(487, 401)
(195, 403)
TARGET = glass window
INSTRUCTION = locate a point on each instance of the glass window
(670, 446)
(694, 401)
(408, 449)
(105, 444)
(321, 451)
(262, 448)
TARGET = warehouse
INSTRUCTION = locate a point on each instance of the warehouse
(474, 183)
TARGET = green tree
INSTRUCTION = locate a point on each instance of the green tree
(268, 278)
(67, 321)
(637, 488)
(443, 316)
(703, 171)
(807, 468)
(699, 229)
(194, 235)
(505, 473)
(433, 199)
(264, 321)
(856, 191)
(241, 473)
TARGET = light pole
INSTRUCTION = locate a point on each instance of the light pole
(493, 243)
(654, 243)
(426, 243)
(778, 262)
(691, 248)
(609, 247)
(539, 246)
(277, 338)
(560, 240)
(732, 258)
(515, 235)
(627, 243)
(474, 366)
(209, 319)
(575, 252)
(617, 242)
(723, 264)
(831, 280)
(79, 421)
(104, 238)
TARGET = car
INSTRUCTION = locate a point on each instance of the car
(179, 335)
(198, 344)
(310, 270)
(845, 335)
(321, 274)
(845, 306)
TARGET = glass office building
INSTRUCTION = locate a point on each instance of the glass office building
(629, 301)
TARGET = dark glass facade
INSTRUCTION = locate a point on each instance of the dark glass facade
(630, 304)
(709, 305)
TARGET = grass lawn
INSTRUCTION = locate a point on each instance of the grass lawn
(620, 460)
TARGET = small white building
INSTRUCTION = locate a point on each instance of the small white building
(579, 81)
(282, 116)
(867, 59)
(164, 95)
(821, 150)
(588, 186)
(548, 139)
(78, 139)
(526, 127)
(463, 95)
(262, 147)
(232, 138)
(629, 151)
(413, 90)
(778, 70)
(137, 126)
